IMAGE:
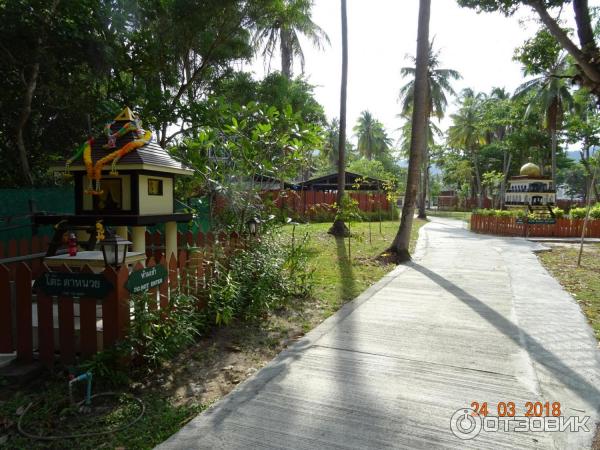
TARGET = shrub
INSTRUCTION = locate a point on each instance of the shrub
(155, 336)
(259, 279)
(577, 213)
(595, 212)
(558, 212)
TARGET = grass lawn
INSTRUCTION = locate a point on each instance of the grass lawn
(212, 367)
(338, 278)
(583, 282)
(461, 215)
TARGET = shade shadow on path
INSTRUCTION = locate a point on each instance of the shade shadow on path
(579, 385)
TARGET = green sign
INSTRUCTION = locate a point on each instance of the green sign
(73, 284)
(537, 221)
(147, 278)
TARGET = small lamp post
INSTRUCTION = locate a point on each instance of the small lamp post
(252, 226)
(114, 250)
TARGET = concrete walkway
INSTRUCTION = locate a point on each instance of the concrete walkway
(474, 318)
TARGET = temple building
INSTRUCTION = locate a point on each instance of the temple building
(530, 190)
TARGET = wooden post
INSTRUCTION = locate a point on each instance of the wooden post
(66, 326)
(171, 240)
(6, 329)
(88, 343)
(24, 325)
(163, 290)
(115, 308)
(138, 237)
(45, 327)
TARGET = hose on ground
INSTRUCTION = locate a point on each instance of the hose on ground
(83, 435)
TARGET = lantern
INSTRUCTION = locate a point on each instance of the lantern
(114, 250)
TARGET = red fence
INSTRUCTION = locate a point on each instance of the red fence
(33, 322)
(508, 226)
(306, 202)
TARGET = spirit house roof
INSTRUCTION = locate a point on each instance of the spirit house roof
(150, 156)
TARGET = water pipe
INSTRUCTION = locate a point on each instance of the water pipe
(88, 391)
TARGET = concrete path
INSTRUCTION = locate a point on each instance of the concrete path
(474, 318)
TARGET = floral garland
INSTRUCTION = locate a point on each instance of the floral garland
(112, 138)
(94, 171)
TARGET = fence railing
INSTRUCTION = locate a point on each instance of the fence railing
(508, 226)
(35, 324)
(305, 203)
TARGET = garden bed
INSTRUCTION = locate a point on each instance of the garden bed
(221, 359)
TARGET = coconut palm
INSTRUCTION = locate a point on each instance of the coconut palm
(438, 89)
(467, 134)
(420, 114)
(283, 23)
(339, 228)
(438, 85)
(550, 92)
(373, 141)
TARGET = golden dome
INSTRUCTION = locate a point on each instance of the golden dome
(530, 169)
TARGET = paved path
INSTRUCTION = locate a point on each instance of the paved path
(475, 318)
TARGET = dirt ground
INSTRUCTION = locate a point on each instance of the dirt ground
(218, 362)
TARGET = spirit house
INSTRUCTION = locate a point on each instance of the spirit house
(122, 178)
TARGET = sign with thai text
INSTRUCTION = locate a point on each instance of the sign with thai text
(146, 278)
(73, 284)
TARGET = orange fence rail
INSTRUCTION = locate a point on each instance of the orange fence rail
(508, 226)
(37, 325)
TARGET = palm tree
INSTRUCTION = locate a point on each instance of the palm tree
(339, 228)
(420, 115)
(373, 141)
(550, 92)
(467, 134)
(283, 23)
(439, 87)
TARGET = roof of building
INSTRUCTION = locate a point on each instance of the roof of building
(353, 181)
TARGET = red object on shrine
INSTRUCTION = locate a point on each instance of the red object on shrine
(72, 245)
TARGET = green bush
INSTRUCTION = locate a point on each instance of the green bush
(155, 336)
(558, 212)
(595, 212)
(577, 213)
(261, 278)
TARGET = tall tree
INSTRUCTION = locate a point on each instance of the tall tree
(339, 228)
(284, 22)
(439, 87)
(549, 90)
(373, 141)
(586, 54)
(400, 245)
(467, 135)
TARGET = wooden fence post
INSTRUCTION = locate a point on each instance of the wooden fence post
(163, 290)
(24, 324)
(6, 329)
(88, 340)
(66, 326)
(45, 318)
(115, 309)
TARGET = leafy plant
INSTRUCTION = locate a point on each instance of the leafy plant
(157, 335)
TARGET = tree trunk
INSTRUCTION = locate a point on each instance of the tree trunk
(478, 185)
(418, 140)
(339, 228)
(554, 140)
(22, 122)
(505, 169)
(286, 53)
(424, 185)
